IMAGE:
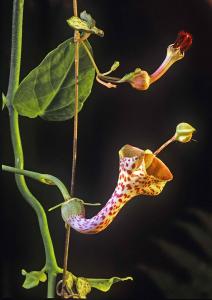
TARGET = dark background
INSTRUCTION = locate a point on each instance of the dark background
(137, 34)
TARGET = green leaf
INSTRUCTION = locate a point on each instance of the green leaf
(78, 24)
(33, 278)
(42, 277)
(84, 285)
(105, 284)
(48, 90)
(84, 25)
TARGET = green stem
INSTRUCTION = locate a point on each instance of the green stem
(44, 178)
(91, 57)
(51, 263)
(17, 22)
(99, 74)
(110, 78)
(51, 284)
(15, 61)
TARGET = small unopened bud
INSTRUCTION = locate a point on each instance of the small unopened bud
(184, 132)
(71, 207)
(140, 80)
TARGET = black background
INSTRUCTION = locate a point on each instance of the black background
(137, 34)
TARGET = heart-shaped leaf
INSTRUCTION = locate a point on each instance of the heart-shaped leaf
(48, 90)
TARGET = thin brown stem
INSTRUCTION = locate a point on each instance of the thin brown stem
(75, 137)
(165, 145)
(75, 133)
(75, 9)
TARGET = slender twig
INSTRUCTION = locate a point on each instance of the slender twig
(99, 74)
(75, 8)
(75, 136)
(15, 63)
(165, 145)
(75, 133)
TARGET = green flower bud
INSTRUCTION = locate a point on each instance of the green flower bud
(71, 208)
(184, 132)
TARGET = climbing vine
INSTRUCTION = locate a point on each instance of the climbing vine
(56, 90)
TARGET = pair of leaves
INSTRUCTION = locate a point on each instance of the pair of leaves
(48, 90)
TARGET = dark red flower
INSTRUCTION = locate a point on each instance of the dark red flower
(183, 41)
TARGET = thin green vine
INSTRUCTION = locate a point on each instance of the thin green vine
(91, 58)
(51, 266)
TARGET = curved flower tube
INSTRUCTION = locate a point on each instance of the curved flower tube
(142, 80)
(140, 173)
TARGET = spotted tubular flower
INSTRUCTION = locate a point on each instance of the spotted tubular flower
(175, 52)
(140, 173)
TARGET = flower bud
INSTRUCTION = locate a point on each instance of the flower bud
(184, 132)
(140, 80)
(72, 207)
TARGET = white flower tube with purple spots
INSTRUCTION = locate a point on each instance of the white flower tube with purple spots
(140, 173)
